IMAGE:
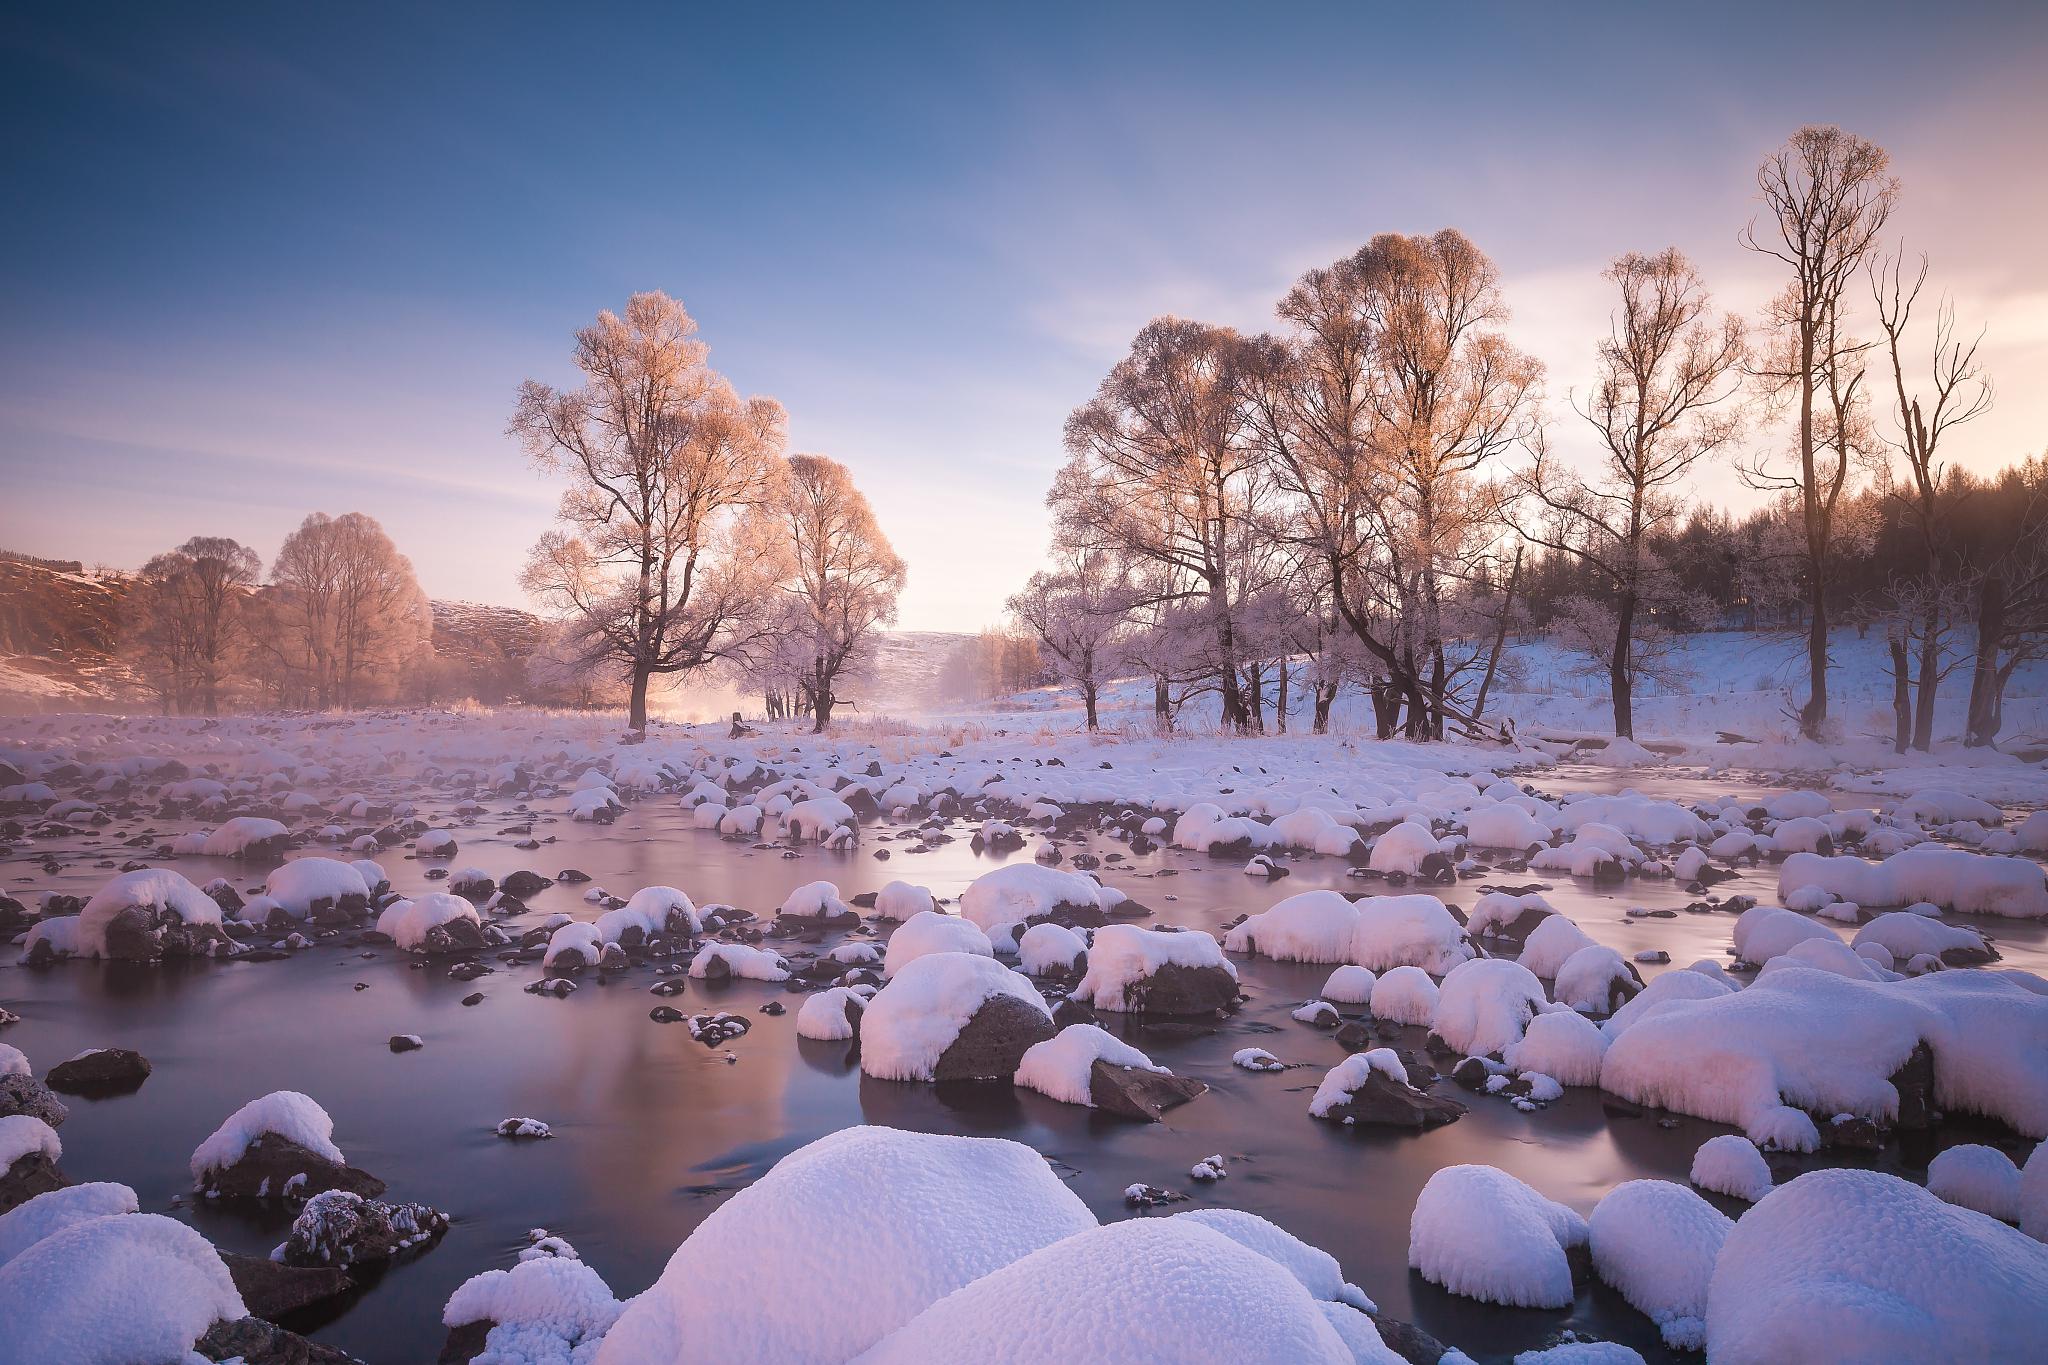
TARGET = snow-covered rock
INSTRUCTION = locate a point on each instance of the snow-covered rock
(1656, 1242)
(1480, 1232)
(114, 1291)
(1155, 971)
(912, 1027)
(1730, 1164)
(928, 931)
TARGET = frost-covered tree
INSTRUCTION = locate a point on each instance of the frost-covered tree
(1077, 609)
(1659, 406)
(838, 579)
(665, 460)
(1827, 195)
(345, 611)
(187, 619)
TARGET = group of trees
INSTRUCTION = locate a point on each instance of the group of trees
(1352, 498)
(340, 622)
(688, 539)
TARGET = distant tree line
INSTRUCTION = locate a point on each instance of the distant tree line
(1367, 496)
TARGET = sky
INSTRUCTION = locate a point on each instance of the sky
(264, 260)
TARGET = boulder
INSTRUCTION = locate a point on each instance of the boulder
(143, 933)
(1136, 1093)
(994, 1041)
(1385, 1102)
(1175, 989)
(271, 1165)
(271, 1289)
(341, 1228)
(252, 1341)
(28, 1177)
(523, 884)
(27, 1095)
(101, 1072)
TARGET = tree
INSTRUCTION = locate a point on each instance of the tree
(1958, 393)
(346, 608)
(1827, 194)
(841, 579)
(1077, 610)
(187, 618)
(664, 460)
(1664, 368)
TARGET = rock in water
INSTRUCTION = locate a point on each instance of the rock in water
(26, 1095)
(101, 1071)
(252, 1341)
(342, 1229)
(991, 1044)
(1136, 1093)
(1382, 1101)
(270, 1289)
(275, 1167)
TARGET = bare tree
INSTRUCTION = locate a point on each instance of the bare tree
(841, 579)
(1958, 392)
(1076, 610)
(664, 459)
(1827, 194)
(1665, 370)
(346, 607)
(188, 618)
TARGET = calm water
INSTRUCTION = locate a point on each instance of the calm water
(653, 1131)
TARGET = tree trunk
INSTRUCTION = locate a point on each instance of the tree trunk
(636, 710)
(1162, 704)
(1325, 695)
(1280, 702)
(1618, 667)
(1814, 714)
(1930, 673)
(1984, 680)
(1902, 708)
(1088, 699)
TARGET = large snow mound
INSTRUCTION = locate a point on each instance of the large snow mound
(913, 1020)
(114, 1291)
(549, 1310)
(1480, 1232)
(50, 1213)
(1657, 1242)
(156, 889)
(1952, 878)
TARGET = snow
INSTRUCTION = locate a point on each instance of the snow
(752, 964)
(13, 1061)
(1906, 936)
(1495, 910)
(1656, 822)
(235, 838)
(1685, 985)
(1656, 1242)
(1551, 944)
(913, 1020)
(653, 907)
(1341, 1081)
(1484, 1006)
(1762, 932)
(50, 1213)
(1858, 1265)
(1060, 1067)
(1588, 977)
(1403, 848)
(1349, 985)
(114, 1291)
(406, 922)
(928, 931)
(1414, 930)
(548, 1310)
(59, 933)
(900, 900)
(287, 1113)
(1731, 1165)
(1501, 825)
(1952, 878)
(299, 883)
(1121, 956)
(1567, 1047)
(823, 1015)
(151, 888)
(1048, 948)
(1404, 995)
(574, 937)
(1801, 1039)
(25, 1135)
(885, 1222)
(1479, 1232)
(818, 819)
(1204, 1296)
(1974, 1176)
(1308, 926)
(1017, 893)
(814, 900)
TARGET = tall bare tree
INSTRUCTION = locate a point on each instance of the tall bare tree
(840, 578)
(1827, 195)
(1957, 392)
(188, 618)
(347, 611)
(1659, 406)
(1076, 609)
(664, 459)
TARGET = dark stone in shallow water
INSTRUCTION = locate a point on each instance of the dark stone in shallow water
(28, 1177)
(100, 1072)
(523, 884)
(1175, 989)
(253, 1341)
(270, 1289)
(1408, 1341)
(465, 1343)
(27, 1095)
(269, 1165)
(1381, 1101)
(1072, 1011)
(1138, 1094)
(993, 1041)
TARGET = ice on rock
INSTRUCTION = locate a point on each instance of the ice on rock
(1479, 1232)
(1802, 1039)
(1342, 1081)
(1122, 959)
(1405, 995)
(575, 940)
(1060, 1068)
(1565, 1046)
(546, 1310)
(1497, 911)
(1849, 1265)
(900, 900)
(1485, 1005)
(1077, 1300)
(1045, 949)
(287, 1113)
(1972, 1176)
(1952, 878)
(1349, 985)
(928, 931)
(114, 1291)
(55, 1210)
(913, 1020)
(1656, 1242)
(1731, 1165)
(892, 1221)
(1258, 1059)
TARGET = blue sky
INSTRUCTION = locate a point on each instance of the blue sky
(265, 260)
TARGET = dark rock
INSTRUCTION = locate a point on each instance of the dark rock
(1136, 1093)
(994, 1041)
(28, 1177)
(1915, 1083)
(267, 1171)
(1071, 1011)
(465, 1343)
(1177, 989)
(27, 1095)
(1408, 1341)
(252, 1341)
(100, 1072)
(270, 1289)
(1471, 1073)
(473, 998)
(406, 1042)
(1353, 1036)
(1384, 1102)
(523, 884)
(572, 875)
(341, 1228)
(142, 933)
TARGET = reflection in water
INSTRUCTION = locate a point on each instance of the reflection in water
(654, 1131)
